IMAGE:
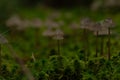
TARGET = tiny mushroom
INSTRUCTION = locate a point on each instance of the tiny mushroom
(58, 35)
(86, 23)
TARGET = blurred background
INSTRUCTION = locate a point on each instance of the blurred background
(28, 26)
(17, 15)
(8, 8)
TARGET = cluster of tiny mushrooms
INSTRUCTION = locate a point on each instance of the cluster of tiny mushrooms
(98, 28)
(101, 28)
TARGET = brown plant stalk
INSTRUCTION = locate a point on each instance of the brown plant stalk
(109, 44)
(58, 43)
(96, 44)
(85, 44)
(102, 46)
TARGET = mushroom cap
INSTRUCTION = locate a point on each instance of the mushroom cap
(51, 24)
(13, 21)
(48, 33)
(86, 23)
(24, 24)
(36, 23)
(96, 27)
(108, 23)
(58, 35)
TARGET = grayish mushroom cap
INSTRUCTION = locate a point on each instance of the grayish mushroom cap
(96, 27)
(86, 23)
(36, 23)
(58, 35)
(48, 33)
(108, 23)
(13, 21)
(51, 24)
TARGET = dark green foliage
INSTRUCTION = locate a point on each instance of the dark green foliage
(68, 73)
(81, 55)
(77, 70)
(43, 76)
(58, 69)
(5, 73)
(74, 61)
(52, 52)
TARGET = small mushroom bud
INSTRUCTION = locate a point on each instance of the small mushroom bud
(48, 33)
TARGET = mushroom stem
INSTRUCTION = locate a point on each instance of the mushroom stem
(109, 46)
(36, 39)
(96, 44)
(58, 43)
(102, 45)
(87, 46)
(85, 41)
